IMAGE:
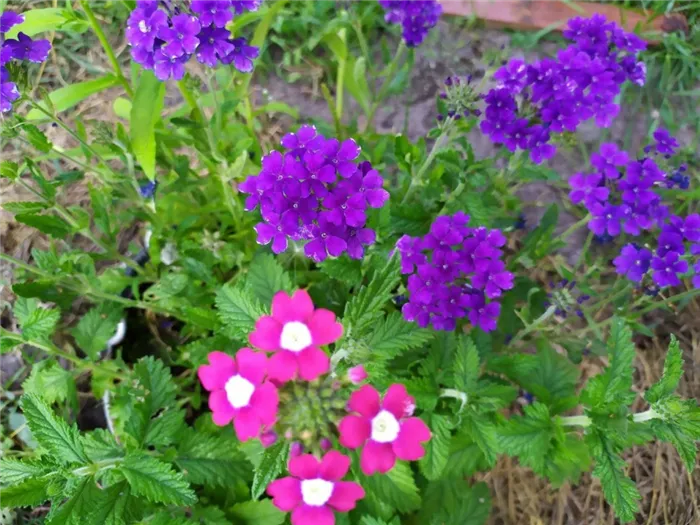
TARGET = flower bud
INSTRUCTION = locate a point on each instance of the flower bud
(357, 374)
(268, 438)
(326, 444)
(296, 449)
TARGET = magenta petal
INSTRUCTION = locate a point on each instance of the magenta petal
(408, 443)
(246, 423)
(324, 328)
(312, 363)
(214, 375)
(304, 467)
(354, 431)
(298, 307)
(282, 366)
(308, 515)
(397, 400)
(365, 401)
(377, 457)
(222, 411)
(286, 493)
(334, 466)
(264, 402)
(345, 495)
(267, 334)
(251, 365)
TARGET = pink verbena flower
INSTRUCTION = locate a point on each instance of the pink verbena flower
(294, 332)
(314, 490)
(238, 392)
(357, 374)
(385, 428)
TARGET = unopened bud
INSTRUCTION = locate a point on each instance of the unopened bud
(268, 438)
(357, 374)
(296, 449)
(326, 444)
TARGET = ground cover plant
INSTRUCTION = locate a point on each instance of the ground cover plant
(317, 322)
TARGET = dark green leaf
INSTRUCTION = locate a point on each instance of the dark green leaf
(238, 311)
(156, 481)
(274, 461)
(48, 224)
(266, 277)
(673, 370)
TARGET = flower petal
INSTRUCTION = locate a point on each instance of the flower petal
(377, 457)
(334, 466)
(304, 467)
(312, 363)
(251, 365)
(397, 400)
(246, 423)
(222, 411)
(365, 401)
(345, 495)
(354, 431)
(407, 445)
(264, 401)
(324, 328)
(298, 307)
(214, 375)
(267, 334)
(286, 493)
(308, 515)
(282, 366)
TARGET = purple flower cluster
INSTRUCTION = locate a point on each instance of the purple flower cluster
(19, 49)
(163, 36)
(534, 101)
(624, 197)
(417, 17)
(317, 192)
(456, 271)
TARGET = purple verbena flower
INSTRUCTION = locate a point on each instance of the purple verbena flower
(9, 19)
(608, 159)
(633, 262)
(667, 268)
(213, 12)
(24, 48)
(588, 189)
(416, 17)
(143, 26)
(665, 143)
(608, 220)
(688, 228)
(241, 55)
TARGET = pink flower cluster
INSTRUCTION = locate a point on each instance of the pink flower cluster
(244, 390)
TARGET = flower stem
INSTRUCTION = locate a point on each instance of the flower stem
(646, 416)
(575, 421)
(191, 101)
(106, 46)
(437, 146)
(575, 226)
(393, 66)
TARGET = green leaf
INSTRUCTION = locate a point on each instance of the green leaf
(362, 309)
(238, 311)
(38, 21)
(48, 224)
(620, 491)
(274, 461)
(258, 513)
(145, 113)
(30, 493)
(483, 432)
(50, 381)
(437, 449)
(673, 370)
(165, 428)
(343, 269)
(394, 335)
(454, 502)
(100, 444)
(95, 328)
(466, 365)
(38, 139)
(79, 504)
(9, 170)
(266, 277)
(396, 488)
(529, 436)
(24, 206)
(156, 481)
(154, 377)
(67, 97)
(210, 460)
(40, 324)
(101, 200)
(109, 507)
(13, 471)
(465, 457)
(52, 433)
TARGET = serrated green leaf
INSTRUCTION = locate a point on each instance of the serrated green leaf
(30, 493)
(465, 457)
(40, 324)
(210, 460)
(154, 377)
(100, 444)
(529, 436)
(620, 491)
(483, 432)
(266, 277)
(394, 335)
(109, 507)
(454, 502)
(682, 442)
(24, 206)
(673, 370)
(48, 224)
(466, 365)
(165, 428)
(13, 472)
(95, 328)
(395, 488)
(50, 381)
(238, 310)
(9, 170)
(343, 269)
(156, 481)
(258, 513)
(362, 309)
(78, 505)
(54, 434)
(437, 449)
(273, 463)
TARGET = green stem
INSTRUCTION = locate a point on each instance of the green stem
(191, 101)
(575, 421)
(97, 466)
(575, 226)
(106, 46)
(416, 179)
(339, 89)
(536, 323)
(646, 416)
(389, 78)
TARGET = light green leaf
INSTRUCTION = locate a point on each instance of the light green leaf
(344, 269)
(48, 224)
(9, 170)
(238, 311)
(466, 366)
(266, 277)
(30, 493)
(40, 324)
(95, 328)
(673, 370)
(274, 461)
(100, 444)
(122, 108)
(483, 432)
(210, 460)
(38, 21)
(394, 335)
(465, 457)
(50, 381)
(67, 97)
(54, 434)
(24, 206)
(258, 513)
(528, 436)
(13, 471)
(78, 505)
(156, 481)
(109, 507)
(145, 113)
(437, 449)
(684, 443)
(155, 378)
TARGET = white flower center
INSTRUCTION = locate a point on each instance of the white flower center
(295, 336)
(239, 391)
(385, 427)
(316, 492)
(143, 27)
